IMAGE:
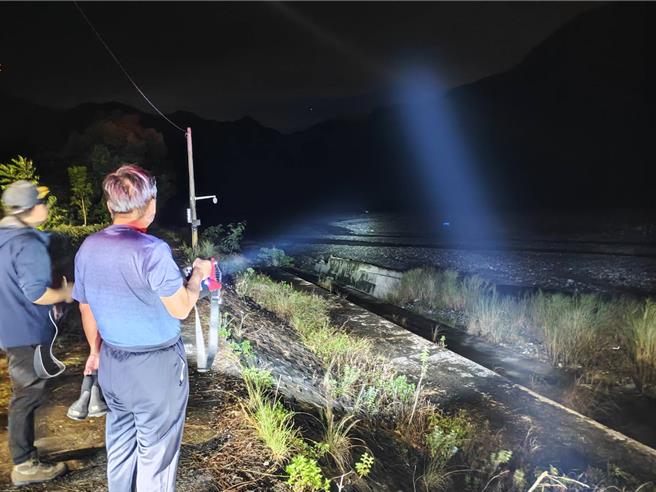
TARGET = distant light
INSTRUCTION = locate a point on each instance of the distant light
(446, 224)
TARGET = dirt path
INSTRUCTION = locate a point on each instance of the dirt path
(219, 451)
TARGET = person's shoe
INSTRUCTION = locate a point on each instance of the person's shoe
(34, 471)
(97, 406)
(80, 409)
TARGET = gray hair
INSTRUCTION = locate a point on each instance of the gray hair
(129, 188)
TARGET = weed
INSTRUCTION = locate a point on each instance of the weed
(364, 464)
(204, 249)
(574, 330)
(447, 434)
(424, 367)
(305, 475)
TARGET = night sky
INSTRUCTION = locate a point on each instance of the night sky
(287, 65)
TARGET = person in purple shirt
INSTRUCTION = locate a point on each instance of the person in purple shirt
(132, 296)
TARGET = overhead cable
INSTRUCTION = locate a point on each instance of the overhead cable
(120, 65)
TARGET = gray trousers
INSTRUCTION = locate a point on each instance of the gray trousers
(28, 393)
(146, 393)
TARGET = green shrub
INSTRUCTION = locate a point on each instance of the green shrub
(305, 475)
(448, 434)
(226, 238)
(56, 214)
(76, 234)
(274, 257)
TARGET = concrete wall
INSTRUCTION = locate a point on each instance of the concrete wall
(371, 279)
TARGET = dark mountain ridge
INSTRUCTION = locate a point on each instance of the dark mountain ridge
(571, 126)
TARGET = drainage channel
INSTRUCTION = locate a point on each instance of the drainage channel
(632, 415)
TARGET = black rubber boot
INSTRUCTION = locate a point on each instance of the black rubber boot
(97, 405)
(80, 409)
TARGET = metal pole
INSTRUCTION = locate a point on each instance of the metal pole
(192, 191)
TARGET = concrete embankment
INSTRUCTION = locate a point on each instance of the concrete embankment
(561, 437)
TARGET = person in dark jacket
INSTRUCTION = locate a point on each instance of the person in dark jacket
(26, 296)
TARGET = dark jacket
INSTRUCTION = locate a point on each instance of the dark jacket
(25, 273)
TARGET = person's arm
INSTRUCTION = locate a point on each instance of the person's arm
(179, 305)
(33, 266)
(93, 337)
(54, 296)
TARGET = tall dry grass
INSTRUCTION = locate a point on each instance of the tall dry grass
(576, 330)
(498, 318)
(437, 289)
(573, 329)
(641, 342)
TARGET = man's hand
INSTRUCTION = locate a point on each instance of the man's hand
(66, 290)
(182, 302)
(90, 328)
(54, 296)
(92, 364)
(204, 267)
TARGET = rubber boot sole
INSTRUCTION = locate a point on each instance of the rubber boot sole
(77, 417)
(95, 415)
(22, 483)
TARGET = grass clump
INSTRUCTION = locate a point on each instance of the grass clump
(572, 328)
(258, 383)
(641, 342)
(498, 318)
(271, 420)
(275, 426)
(435, 289)
(337, 442)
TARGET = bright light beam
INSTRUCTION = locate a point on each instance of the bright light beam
(446, 169)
